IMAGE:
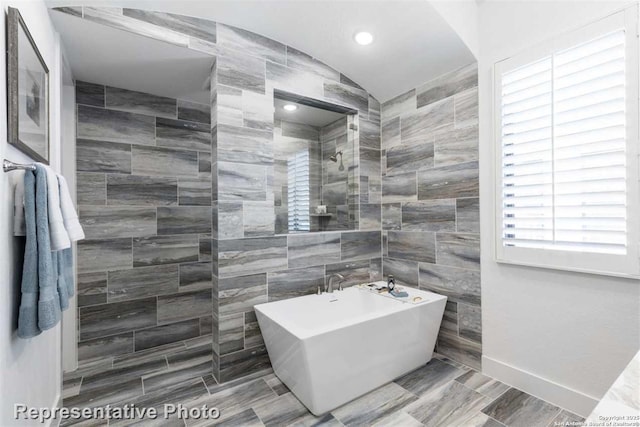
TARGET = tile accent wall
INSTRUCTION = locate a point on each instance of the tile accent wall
(430, 209)
(145, 269)
(253, 263)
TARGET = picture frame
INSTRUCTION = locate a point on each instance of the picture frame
(27, 91)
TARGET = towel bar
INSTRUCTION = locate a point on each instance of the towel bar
(9, 166)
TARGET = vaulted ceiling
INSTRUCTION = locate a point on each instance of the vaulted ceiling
(412, 45)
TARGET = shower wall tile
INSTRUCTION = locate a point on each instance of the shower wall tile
(159, 161)
(194, 112)
(301, 61)
(141, 190)
(416, 246)
(251, 43)
(258, 219)
(231, 333)
(399, 188)
(459, 285)
(347, 81)
(257, 110)
(92, 289)
(115, 126)
(113, 17)
(354, 272)
(456, 146)
(346, 95)
(244, 362)
(466, 108)
(448, 182)
(184, 305)
(195, 27)
(313, 249)
(459, 250)
(104, 254)
(251, 256)
(158, 250)
(468, 215)
(91, 188)
(369, 134)
(142, 282)
(409, 158)
(204, 164)
(184, 220)
(448, 85)
(390, 133)
(196, 276)
(399, 105)
(194, 191)
(241, 293)
(183, 134)
(295, 282)
(392, 216)
(429, 215)
(242, 182)
(405, 272)
(370, 217)
(110, 319)
(102, 156)
(90, 93)
(117, 221)
(470, 322)
(166, 334)
(140, 102)
(460, 349)
(244, 145)
(241, 71)
(252, 335)
(422, 123)
(205, 249)
(230, 220)
(295, 80)
(360, 245)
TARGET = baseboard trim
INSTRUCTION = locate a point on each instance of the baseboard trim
(542, 388)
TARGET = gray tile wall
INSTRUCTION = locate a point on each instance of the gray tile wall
(249, 262)
(430, 210)
(255, 264)
(145, 270)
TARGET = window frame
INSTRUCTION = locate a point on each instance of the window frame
(627, 265)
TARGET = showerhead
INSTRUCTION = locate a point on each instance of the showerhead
(334, 159)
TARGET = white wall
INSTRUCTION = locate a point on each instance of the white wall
(30, 369)
(561, 336)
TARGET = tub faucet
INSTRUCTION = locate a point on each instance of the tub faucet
(329, 287)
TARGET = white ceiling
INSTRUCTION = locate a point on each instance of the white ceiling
(413, 43)
(104, 55)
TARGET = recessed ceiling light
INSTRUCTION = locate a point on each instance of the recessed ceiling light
(290, 107)
(364, 38)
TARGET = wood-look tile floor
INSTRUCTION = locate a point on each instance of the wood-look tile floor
(441, 393)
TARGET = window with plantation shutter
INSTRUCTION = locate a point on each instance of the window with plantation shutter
(298, 191)
(567, 131)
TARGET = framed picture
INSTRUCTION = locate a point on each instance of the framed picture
(27, 90)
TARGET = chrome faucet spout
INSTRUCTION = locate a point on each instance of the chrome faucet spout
(329, 286)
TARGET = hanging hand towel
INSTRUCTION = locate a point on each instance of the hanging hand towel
(69, 215)
(19, 228)
(58, 234)
(48, 298)
(28, 314)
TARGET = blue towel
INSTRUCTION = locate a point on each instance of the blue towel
(28, 315)
(40, 271)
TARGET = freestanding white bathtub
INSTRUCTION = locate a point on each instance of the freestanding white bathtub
(331, 348)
